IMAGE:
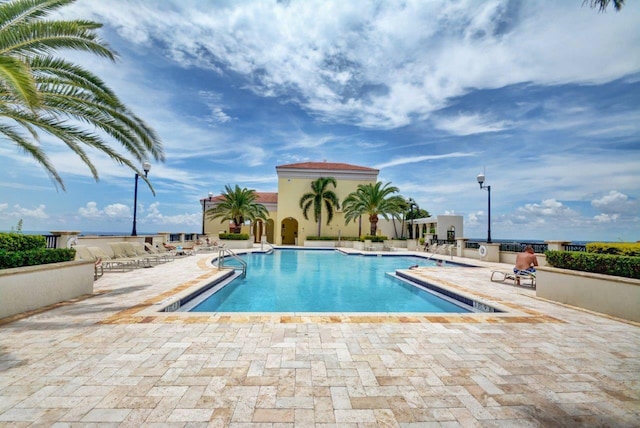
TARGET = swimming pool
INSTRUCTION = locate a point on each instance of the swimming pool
(322, 281)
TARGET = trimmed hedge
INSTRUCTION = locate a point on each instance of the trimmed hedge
(40, 256)
(18, 250)
(607, 264)
(372, 238)
(234, 236)
(20, 242)
(615, 248)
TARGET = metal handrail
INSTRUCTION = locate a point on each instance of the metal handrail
(270, 250)
(448, 247)
(221, 255)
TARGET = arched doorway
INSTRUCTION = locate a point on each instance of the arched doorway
(451, 234)
(261, 229)
(289, 231)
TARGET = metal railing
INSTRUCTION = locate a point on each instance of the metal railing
(517, 247)
(52, 240)
(270, 248)
(223, 252)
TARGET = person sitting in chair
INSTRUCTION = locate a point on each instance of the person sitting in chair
(526, 262)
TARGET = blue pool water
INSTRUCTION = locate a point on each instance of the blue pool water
(324, 281)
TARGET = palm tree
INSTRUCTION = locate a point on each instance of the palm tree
(42, 92)
(238, 205)
(603, 4)
(317, 197)
(373, 200)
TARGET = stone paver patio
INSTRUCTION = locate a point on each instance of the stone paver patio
(112, 360)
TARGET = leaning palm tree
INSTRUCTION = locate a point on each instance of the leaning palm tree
(238, 204)
(41, 92)
(319, 196)
(373, 200)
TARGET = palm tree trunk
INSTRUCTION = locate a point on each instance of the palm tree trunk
(374, 224)
(319, 224)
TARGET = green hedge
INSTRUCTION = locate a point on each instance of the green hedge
(615, 248)
(372, 238)
(607, 264)
(20, 242)
(18, 250)
(40, 256)
(234, 236)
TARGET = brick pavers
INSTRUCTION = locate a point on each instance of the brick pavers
(112, 360)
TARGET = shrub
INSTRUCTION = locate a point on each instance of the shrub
(371, 238)
(234, 236)
(616, 248)
(20, 242)
(39, 256)
(607, 264)
(322, 238)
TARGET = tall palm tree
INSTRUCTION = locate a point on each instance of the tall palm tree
(238, 205)
(319, 196)
(373, 200)
(42, 92)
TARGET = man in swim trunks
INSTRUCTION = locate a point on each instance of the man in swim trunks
(526, 262)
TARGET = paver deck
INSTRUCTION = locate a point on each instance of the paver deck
(112, 360)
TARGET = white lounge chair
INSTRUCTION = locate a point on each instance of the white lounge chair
(83, 253)
(520, 278)
(110, 262)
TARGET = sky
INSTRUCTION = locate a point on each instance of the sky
(542, 97)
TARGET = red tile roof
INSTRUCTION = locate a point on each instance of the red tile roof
(326, 166)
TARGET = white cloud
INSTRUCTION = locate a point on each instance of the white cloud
(90, 211)
(382, 65)
(606, 218)
(37, 213)
(118, 211)
(470, 124)
(154, 216)
(415, 159)
(547, 208)
(613, 198)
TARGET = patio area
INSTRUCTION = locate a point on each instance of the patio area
(112, 360)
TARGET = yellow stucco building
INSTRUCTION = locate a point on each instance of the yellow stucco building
(286, 224)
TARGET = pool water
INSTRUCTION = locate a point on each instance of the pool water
(324, 281)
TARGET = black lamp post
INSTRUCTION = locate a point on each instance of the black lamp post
(204, 203)
(412, 204)
(147, 167)
(488, 189)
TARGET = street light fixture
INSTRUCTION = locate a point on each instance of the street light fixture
(146, 167)
(204, 203)
(488, 189)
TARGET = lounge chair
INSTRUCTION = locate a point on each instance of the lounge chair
(520, 278)
(110, 262)
(168, 255)
(83, 253)
(124, 251)
(139, 251)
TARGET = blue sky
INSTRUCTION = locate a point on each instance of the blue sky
(544, 97)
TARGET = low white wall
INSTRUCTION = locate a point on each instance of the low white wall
(606, 294)
(322, 244)
(32, 287)
(237, 245)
